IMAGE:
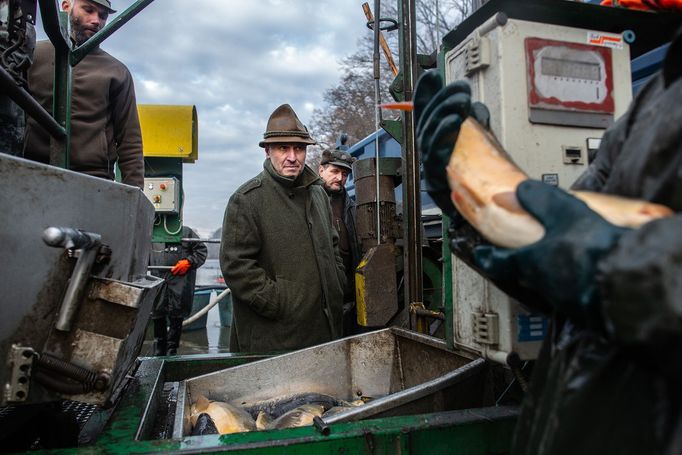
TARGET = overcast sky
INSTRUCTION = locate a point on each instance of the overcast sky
(236, 61)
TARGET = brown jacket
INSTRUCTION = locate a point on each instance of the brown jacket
(104, 122)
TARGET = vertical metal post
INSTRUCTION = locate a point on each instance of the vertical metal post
(56, 24)
(60, 149)
(377, 110)
(411, 174)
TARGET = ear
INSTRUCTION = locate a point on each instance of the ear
(66, 5)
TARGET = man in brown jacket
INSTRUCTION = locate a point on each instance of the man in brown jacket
(105, 128)
(279, 253)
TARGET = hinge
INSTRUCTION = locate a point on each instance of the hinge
(20, 362)
(477, 55)
(486, 328)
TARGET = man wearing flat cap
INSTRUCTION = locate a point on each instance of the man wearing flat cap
(335, 166)
(105, 129)
(279, 250)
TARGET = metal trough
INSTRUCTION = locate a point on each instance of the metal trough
(403, 372)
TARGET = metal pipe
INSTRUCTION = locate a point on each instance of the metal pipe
(64, 237)
(57, 35)
(377, 111)
(30, 105)
(407, 396)
(411, 174)
(87, 244)
(81, 51)
(491, 24)
(75, 289)
(60, 148)
(420, 312)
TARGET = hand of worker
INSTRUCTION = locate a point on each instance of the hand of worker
(438, 112)
(562, 266)
(181, 267)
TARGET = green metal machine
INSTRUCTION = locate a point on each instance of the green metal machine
(433, 396)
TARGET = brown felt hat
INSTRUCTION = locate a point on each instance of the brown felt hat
(284, 126)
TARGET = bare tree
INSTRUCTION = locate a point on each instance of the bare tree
(349, 107)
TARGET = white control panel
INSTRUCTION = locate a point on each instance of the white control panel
(552, 91)
(163, 193)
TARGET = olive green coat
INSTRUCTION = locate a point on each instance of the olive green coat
(279, 256)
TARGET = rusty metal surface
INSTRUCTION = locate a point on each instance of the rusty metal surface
(108, 335)
(377, 286)
(375, 364)
(36, 196)
(366, 200)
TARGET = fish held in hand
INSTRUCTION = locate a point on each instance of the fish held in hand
(483, 179)
(226, 418)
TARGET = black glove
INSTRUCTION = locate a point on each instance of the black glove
(438, 112)
(562, 266)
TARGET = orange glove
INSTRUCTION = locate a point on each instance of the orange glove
(181, 267)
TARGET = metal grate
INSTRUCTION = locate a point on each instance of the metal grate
(82, 411)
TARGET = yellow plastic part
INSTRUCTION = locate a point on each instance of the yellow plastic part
(360, 305)
(169, 131)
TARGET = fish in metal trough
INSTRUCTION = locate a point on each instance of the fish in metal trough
(226, 418)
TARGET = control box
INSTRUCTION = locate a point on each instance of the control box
(552, 91)
(163, 193)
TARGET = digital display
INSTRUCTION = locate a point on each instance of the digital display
(572, 69)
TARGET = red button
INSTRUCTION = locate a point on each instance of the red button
(162, 186)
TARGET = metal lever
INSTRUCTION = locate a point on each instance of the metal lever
(87, 245)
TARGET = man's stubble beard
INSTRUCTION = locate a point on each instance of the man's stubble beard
(77, 30)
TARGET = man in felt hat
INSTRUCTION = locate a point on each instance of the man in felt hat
(279, 250)
(335, 166)
(105, 128)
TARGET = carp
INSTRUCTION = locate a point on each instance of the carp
(203, 425)
(301, 416)
(276, 407)
(483, 179)
(226, 418)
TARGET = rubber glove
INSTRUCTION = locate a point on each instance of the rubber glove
(181, 267)
(439, 111)
(562, 266)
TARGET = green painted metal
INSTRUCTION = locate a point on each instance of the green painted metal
(433, 296)
(447, 286)
(394, 128)
(81, 51)
(122, 430)
(60, 149)
(166, 167)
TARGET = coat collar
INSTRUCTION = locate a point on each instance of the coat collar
(305, 179)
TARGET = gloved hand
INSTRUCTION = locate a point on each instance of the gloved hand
(438, 112)
(181, 267)
(562, 266)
